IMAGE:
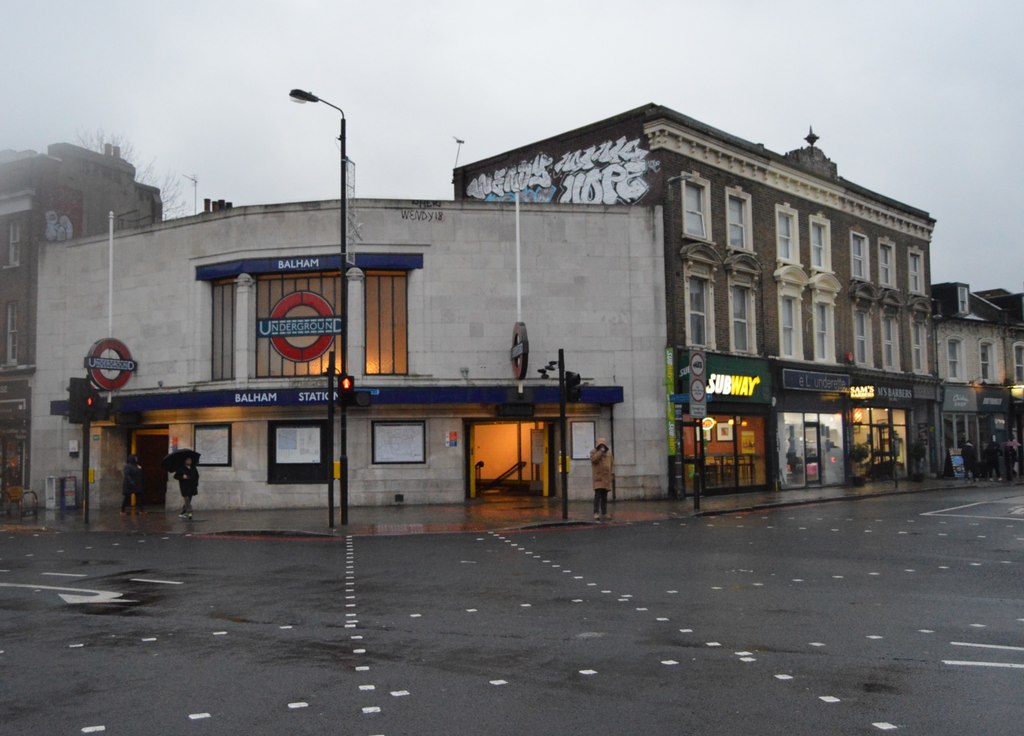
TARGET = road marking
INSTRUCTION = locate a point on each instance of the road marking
(156, 582)
(882, 726)
(300, 704)
(77, 595)
(198, 716)
(986, 646)
(1004, 665)
(64, 574)
(94, 729)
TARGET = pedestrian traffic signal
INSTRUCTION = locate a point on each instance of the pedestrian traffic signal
(349, 396)
(573, 387)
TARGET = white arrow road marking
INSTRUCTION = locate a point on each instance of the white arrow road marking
(77, 595)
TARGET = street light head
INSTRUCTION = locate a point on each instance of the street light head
(303, 97)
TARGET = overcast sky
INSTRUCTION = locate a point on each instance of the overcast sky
(920, 101)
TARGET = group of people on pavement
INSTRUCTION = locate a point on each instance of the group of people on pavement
(131, 486)
(988, 465)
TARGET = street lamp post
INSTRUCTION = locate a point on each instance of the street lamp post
(301, 96)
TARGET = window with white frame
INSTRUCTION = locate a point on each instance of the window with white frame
(789, 327)
(886, 264)
(915, 272)
(741, 311)
(11, 342)
(787, 236)
(963, 300)
(917, 343)
(890, 343)
(824, 329)
(14, 243)
(698, 311)
(738, 213)
(1018, 363)
(861, 337)
(954, 359)
(859, 265)
(821, 244)
(986, 357)
(696, 217)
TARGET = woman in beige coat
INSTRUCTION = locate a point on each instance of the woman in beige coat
(603, 471)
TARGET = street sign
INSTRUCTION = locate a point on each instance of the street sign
(698, 387)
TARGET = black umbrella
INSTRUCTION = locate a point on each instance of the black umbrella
(176, 460)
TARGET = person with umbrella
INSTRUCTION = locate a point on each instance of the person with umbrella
(182, 464)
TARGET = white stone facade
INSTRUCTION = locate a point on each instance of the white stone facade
(592, 283)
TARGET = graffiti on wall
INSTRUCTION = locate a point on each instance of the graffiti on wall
(612, 172)
(58, 227)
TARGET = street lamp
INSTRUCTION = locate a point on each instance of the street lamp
(300, 96)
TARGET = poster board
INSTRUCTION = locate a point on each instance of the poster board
(399, 442)
(582, 440)
(213, 443)
(297, 445)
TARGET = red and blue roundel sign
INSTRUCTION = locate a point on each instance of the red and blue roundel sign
(109, 364)
(301, 327)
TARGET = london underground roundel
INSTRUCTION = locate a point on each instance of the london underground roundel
(109, 364)
(301, 327)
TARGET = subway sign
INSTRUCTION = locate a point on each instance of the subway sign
(730, 378)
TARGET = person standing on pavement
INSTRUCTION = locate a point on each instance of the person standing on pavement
(188, 483)
(992, 461)
(603, 472)
(132, 483)
(1010, 454)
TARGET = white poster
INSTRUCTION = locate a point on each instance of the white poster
(298, 445)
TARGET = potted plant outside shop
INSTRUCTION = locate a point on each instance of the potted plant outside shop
(858, 456)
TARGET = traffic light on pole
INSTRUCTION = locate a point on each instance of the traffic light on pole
(573, 387)
(348, 394)
(79, 394)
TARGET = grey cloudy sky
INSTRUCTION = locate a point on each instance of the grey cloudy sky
(919, 101)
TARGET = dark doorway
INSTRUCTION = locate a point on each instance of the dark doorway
(151, 447)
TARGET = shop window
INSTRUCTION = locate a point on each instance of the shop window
(811, 449)
(387, 323)
(296, 452)
(223, 332)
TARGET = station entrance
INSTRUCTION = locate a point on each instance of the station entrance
(509, 460)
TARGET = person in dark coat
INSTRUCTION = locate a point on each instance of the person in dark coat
(1010, 455)
(992, 454)
(188, 483)
(603, 471)
(132, 483)
(970, 457)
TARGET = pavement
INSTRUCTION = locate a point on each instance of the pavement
(504, 513)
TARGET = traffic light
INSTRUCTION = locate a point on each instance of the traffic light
(573, 387)
(79, 393)
(348, 394)
(85, 402)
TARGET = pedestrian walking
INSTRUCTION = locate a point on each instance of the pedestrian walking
(970, 457)
(188, 483)
(603, 473)
(132, 483)
(1010, 455)
(992, 454)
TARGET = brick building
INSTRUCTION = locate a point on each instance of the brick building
(64, 194)
(809, 293)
